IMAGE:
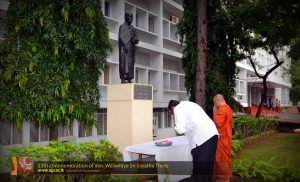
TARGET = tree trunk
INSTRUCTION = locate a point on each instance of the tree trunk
(201, 54)
(264, 77)
(263, 99)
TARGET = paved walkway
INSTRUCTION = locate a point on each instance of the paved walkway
(289, 117)
(288, 122)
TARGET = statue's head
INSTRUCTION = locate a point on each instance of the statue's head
(128, 18)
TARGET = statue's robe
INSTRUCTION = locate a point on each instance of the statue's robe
(127, 40)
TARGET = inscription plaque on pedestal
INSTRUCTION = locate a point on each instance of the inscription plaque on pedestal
(142, 92)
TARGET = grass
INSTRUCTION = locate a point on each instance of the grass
(284, 146)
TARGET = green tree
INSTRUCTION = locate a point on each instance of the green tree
(295, 70)
(295, 79)
(51, 59)
(235, 30)
(270, 25)
(222, 51)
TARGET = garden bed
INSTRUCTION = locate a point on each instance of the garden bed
(273, 158)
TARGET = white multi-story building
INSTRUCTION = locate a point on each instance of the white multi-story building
(249, 87)
(158, 63)
(158, 54)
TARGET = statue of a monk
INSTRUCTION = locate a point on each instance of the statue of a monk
(127, 40)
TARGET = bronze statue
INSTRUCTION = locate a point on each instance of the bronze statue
(127, 40)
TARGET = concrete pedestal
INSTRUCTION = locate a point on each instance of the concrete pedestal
(129, 114)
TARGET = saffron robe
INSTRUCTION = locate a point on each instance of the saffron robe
(223, 122)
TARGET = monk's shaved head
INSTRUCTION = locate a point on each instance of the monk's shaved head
(219, 100)
(219, 97)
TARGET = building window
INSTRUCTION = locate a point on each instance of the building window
(165, 119)
(137, 20)
(107, 8)
(34, 133)
(136, 76)
(151, 23)
(106, 74)
(160, 121)
(38, 133)
(240, 87)
(158, 116)
(82, 131)
(10, 134)
(168, 120)
(101, 124)
(44, 133)
(66, 130)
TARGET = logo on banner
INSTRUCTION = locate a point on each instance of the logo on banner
(21, 166)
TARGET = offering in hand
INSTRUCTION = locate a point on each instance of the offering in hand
(163, 143)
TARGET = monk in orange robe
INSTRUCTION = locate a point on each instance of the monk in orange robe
(223, 122)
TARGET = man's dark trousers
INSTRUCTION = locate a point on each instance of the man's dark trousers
(203, 160)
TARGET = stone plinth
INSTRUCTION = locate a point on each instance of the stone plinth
(129, 114)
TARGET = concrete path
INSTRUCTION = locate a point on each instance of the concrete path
(288, 122)
(289, 117)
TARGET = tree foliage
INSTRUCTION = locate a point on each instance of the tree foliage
(235, 30)
(222, 51)
(51, 60)
(295, 79)
(270, 25)
(295, 70)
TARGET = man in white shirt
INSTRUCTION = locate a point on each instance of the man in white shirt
(201, 133)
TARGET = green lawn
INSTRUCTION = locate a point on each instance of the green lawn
(285, 146)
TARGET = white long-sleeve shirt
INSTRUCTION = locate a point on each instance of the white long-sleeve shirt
(191, 120)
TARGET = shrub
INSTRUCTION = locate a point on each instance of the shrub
(104, 151)
(248, 126)
(64, 152)
(264, 168)
(235, 146)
